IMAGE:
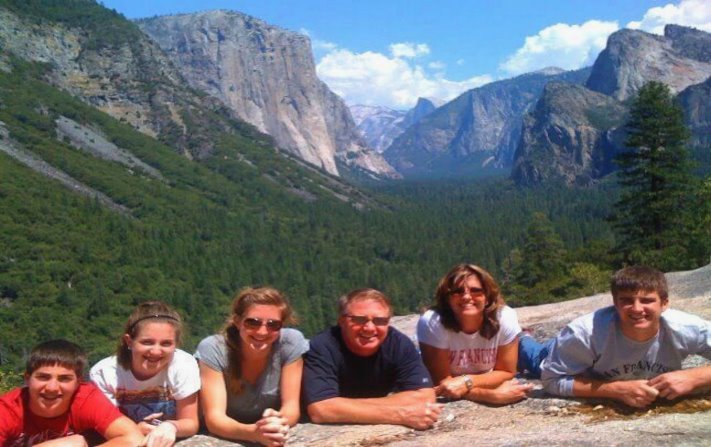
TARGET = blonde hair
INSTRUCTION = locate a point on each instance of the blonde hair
(245, 299)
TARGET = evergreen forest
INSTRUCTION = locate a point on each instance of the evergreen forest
(72, 267)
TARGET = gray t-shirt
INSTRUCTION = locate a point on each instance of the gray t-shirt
(594, 346)
(248, 406)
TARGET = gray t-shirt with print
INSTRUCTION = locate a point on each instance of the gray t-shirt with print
(248, 406)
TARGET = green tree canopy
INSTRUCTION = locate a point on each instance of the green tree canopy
(651, 215)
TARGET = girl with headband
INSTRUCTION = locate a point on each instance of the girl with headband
(149, 379)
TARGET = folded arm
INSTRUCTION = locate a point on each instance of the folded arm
(491, 387)
(415, 409)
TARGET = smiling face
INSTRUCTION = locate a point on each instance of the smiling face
(258, 340)
(640, 312)
(51, 389)
(468, 302)
(364, 339)
(152, 348)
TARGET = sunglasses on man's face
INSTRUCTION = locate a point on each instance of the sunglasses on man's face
(256, 323)
(362, 320)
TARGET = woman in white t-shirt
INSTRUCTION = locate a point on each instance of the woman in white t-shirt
(468, 339)
(152, 382)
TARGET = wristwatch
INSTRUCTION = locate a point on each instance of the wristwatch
(468, 382)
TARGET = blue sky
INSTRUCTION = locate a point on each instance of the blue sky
(390, 52)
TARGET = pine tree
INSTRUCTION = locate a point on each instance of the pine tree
(655, 176)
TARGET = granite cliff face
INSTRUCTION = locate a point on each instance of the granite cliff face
(567, 137)
(381, 125)
(575, 132)
(267, 76)
(632, 58)
(696, 102)
(479, 129)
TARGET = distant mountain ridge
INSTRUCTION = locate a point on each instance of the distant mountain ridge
(381, 125)
(267, 76)
(477, 131)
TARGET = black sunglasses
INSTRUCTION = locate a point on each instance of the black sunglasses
(362, 320)
(256, 323)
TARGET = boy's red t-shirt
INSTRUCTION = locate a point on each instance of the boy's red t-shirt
(89, 410)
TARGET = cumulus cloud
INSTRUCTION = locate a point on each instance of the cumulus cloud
(561, 45)
(373, 78)
(695, 13)
(409, 50)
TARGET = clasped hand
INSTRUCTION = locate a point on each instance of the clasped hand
(272, 428)
(452, 387)
(641, 393)
(162, 434)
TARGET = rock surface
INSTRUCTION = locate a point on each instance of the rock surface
(569, 137)
(129, 78)
(632, 58)
(539, 420)
(268, 77)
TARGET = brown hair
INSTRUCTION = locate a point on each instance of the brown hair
(453, 280)
(144, 313)
(57, 352)
(245, 299)
(363, 295)
(639, 277)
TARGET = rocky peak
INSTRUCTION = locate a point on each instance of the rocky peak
(474, 132)
(689, 42)
(381, 125)
(423, 107)
(267, 76)
(567, 137)
(633, 58)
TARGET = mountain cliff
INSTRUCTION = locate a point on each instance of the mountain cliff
(381, 125)
(574, 132)
(476, 131)
(266, 75)
(566, 137)
(696, 102)
(632, 58)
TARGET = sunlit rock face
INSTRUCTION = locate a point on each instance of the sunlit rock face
(567, 137)
(680, 58)
(268, 77)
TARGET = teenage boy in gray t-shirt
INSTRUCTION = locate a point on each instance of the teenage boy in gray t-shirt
(632, 351)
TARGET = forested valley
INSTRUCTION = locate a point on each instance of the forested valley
(71, 267)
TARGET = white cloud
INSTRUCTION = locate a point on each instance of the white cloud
(409, 50)
(437, 65)
(375, 79)
(695, 13)
(561, 45)
(322, 45)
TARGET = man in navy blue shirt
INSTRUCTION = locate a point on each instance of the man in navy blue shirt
(363, 371)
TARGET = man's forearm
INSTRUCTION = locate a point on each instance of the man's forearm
(381, 410)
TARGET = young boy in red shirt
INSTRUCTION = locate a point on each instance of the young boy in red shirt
(55, 407)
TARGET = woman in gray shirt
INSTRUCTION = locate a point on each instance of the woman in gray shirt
(251, 372)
